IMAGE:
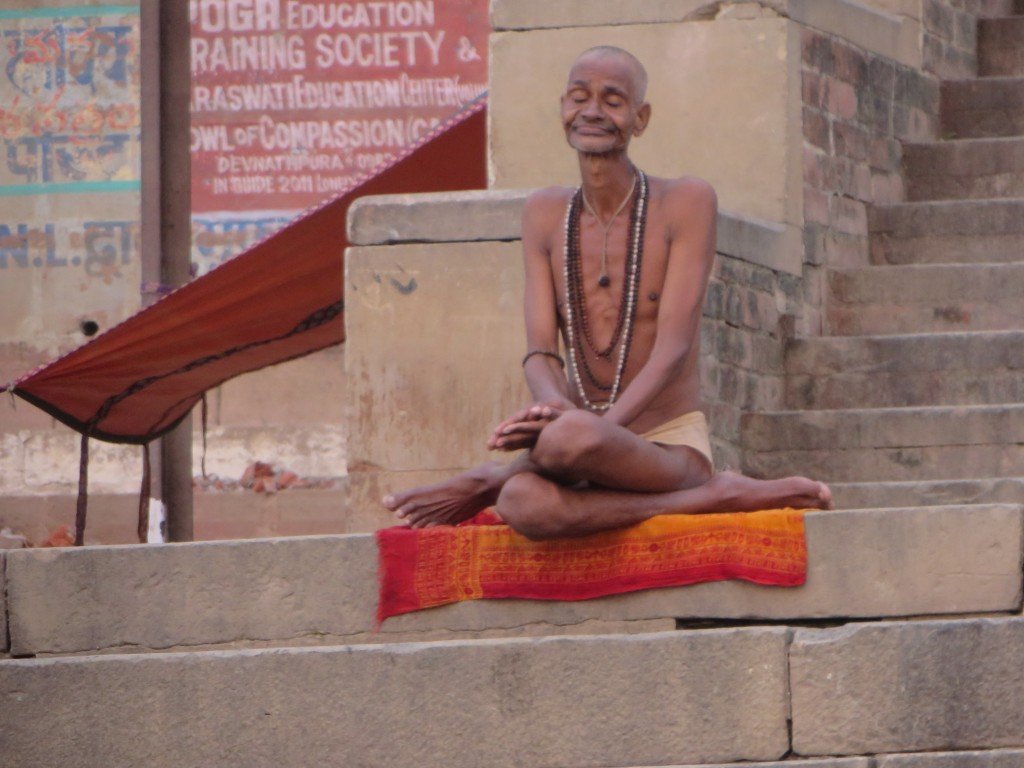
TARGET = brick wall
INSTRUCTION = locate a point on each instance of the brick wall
(949, 37)
(857, 108)
(748, 315)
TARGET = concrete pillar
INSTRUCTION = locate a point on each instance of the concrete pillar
(166, 221)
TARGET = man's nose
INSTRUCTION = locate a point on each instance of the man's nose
(592, 109)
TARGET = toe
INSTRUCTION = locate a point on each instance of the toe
(826, 496)
(406, 510)
(410, 512)
(395, 501)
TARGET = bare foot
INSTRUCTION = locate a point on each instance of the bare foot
(738, 493)
(448, 502)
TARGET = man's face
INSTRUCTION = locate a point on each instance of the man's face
(599, 110)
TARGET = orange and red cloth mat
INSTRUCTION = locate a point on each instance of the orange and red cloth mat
(485, 558)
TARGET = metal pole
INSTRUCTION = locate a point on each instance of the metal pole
(166, 220)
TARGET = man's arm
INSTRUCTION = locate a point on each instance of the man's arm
(544, 376)
(692, 209)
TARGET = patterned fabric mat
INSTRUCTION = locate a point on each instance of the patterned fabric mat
(483, 557)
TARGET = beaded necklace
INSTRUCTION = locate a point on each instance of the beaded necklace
(575, 304)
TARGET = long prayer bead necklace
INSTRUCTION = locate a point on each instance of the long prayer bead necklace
(604, 281)
(575, 304)
(577, 273)
(574, 289)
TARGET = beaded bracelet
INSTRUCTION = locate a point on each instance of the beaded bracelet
(552, 355)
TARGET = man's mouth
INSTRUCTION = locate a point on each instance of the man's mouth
(591, 130)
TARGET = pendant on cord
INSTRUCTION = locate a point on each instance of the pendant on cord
(604, 281)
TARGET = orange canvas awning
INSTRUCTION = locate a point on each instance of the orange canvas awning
(280, 299)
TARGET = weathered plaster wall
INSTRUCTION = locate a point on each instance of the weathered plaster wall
(69, 180)
(70, 267)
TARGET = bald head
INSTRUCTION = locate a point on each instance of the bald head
(637, 73)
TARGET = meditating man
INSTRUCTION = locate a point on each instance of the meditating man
(620, 265)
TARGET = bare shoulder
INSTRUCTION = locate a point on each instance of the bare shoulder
(544, 210)
(688, 197)
(545, 202)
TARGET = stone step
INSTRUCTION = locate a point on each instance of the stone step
(913, 694)
(925, 298)
(323, 590)
(907, 686)
(948, 232)
(699, 696)
(829, 373)
(921, 493)
(1001, 47)
(982, 107)
(883, 444)
(964, 168)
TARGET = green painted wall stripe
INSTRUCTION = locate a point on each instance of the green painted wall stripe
(14, 190)
(75, 10)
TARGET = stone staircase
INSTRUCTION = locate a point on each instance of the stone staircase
(261, 653)
(914, 396)
(902, 650)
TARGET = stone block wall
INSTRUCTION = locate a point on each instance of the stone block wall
(949, 34)
(949, 37)
(750, 312)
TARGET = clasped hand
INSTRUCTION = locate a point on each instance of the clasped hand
(522, 428)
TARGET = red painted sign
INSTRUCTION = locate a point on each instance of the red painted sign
(292, 100)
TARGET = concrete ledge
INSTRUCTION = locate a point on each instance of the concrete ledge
(441, 217)
(895, 37)
(486, 215)
(989, 758)
(867, 563)
(767, 244)
(908, 686)
(698, 697)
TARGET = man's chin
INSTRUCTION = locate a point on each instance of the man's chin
(594, 145)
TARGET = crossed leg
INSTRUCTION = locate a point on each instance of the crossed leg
(585, 474)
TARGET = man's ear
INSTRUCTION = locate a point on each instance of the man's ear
(643, 116)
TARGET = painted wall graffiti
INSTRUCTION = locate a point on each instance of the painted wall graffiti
(70, 151)
(102, 248)
(292, 101)
(69, 101)
(219, 237)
